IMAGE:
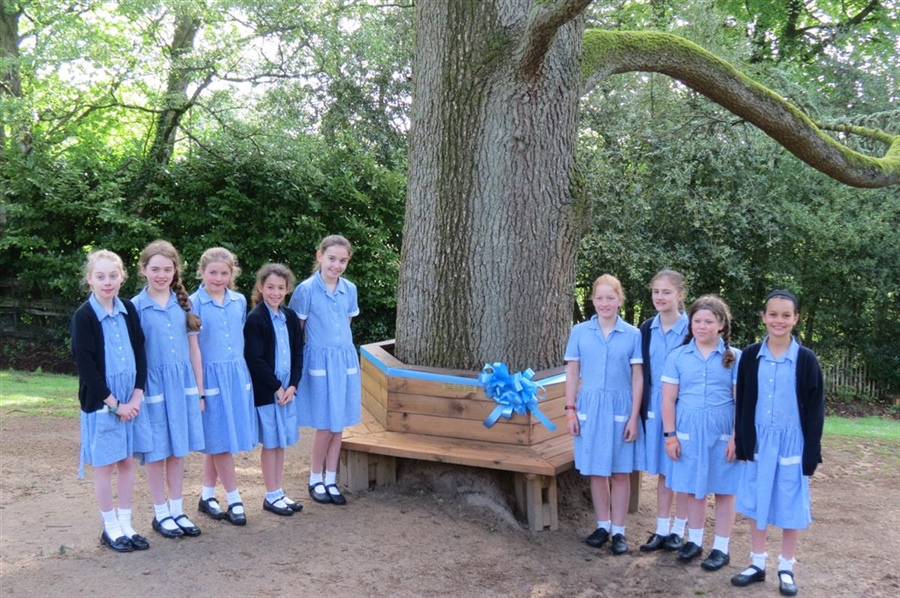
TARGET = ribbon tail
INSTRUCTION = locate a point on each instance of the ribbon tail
(498, 412)
(536, 411)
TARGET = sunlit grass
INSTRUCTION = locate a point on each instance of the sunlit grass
(37, 393)
(863, 427)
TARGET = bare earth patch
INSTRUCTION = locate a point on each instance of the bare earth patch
(438, 532)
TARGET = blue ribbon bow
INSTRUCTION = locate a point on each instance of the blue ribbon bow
(514, 393)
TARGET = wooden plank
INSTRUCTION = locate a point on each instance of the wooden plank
(375, 408)
(435, 389)
(500, 432)
(375, 382)
(379, 352)
(489, 455)
(385, 470)
(460, 408)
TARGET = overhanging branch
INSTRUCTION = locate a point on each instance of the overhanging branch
(544, 20)
(612, 52)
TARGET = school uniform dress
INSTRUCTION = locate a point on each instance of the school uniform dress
(109, 352)
(273, 349)
(658, 346)
(330, 389)
(774, 484)
(171, 398)
(229, 418)
(604, 401)
(704, 420)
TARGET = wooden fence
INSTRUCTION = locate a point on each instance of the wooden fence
(844, 372)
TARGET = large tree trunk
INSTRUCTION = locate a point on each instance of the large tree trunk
(492, 219)
(10, 79)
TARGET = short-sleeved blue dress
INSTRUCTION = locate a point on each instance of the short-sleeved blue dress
(171, 399)
(604, 403)
(105, 439)
(772, 488)
(229, 418)
(330, 389)
(661, 344)
(704, 420)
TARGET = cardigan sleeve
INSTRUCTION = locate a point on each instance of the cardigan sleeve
(87, 349)
(813, 398)
(745, 404)
(136, 336)
(295, 334)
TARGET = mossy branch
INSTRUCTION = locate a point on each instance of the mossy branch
(612, 52)
(544, 20)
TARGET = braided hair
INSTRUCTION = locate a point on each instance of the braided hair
(168, 251)
(720, 310)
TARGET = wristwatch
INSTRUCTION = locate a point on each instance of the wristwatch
(669, 434)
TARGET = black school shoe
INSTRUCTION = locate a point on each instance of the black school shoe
(211, 507)
(165, 532)
(319, 493)
(745, 579)
(236, 518)
(715, 561)
(689, 552)
(618, 545)
(120, 544)
(673, 542)
(189, 530)
(598, 538)
(273, 507)
(139, 542)
(787, 588)
(656, 542)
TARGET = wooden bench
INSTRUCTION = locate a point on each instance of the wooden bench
(369, 457)
(436, 415)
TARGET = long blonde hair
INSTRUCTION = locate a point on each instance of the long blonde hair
(219, 254)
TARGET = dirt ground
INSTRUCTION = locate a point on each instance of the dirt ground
(440, 531)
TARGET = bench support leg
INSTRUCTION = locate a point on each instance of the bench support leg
(536, 498)
(359, 471)
(635, 500)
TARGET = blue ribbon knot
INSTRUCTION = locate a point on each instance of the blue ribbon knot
(514, 393)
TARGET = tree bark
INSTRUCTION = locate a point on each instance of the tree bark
(10, 78)
(492, 220)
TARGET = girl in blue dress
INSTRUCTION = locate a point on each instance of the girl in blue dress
(229, 418)
(273, 348)
(330, 389)
(698, 423)
(108, 347)
(604, 382)
(660, 335)
(174, 381)
(778, 433)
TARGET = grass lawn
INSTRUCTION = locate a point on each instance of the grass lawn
(37, 393)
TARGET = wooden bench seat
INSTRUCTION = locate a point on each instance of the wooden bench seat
(369, 454)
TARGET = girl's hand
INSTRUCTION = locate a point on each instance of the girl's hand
(574, 428)
(279, 396)
(673, 448)
(730, 452)
(126, 412)
(289, 394)
(136, 400)
(631, 431)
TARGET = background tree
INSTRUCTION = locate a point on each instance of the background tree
(495, 206)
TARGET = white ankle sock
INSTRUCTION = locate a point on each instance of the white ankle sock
(618, 529)
(162, 511)
(176, 507)
(678, 527)
(759, 560)
(662, 526)
(111, 524)
(315, 478)
(125, 522)
(604, 525)
(330, 477)
(786, 564)
(207, 492)
(695, 536)
(720, 543)
(233, 497)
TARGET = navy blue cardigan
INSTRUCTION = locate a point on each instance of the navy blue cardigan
(259, 352)
(810, 399)
(90, 358)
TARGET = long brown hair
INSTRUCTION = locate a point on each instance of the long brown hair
(168, 251)
(331, 241)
